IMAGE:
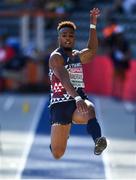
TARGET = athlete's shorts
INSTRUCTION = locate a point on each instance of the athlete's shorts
(61, 113)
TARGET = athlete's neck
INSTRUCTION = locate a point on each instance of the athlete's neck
(68, 51)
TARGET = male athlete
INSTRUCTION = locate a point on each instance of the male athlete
(68, 102)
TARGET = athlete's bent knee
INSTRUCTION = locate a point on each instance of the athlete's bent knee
(92, 111)
(58, 152)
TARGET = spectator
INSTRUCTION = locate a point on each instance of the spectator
(119, 51)
(6, 54)
(18, 61)
(121, 7)
(107, 33)
(129, 6)
(115, 8)
(109, 28)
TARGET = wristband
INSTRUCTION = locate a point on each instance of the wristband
(77, 98)
(92, 26)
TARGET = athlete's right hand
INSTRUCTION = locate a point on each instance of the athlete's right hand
(82, 106)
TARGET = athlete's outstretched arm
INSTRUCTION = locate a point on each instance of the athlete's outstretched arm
(56, 63)
(88, 53)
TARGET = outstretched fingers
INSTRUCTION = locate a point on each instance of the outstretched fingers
(95, 12)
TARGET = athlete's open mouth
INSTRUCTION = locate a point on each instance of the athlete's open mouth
(68, 43)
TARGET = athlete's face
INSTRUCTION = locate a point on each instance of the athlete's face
(66, 37)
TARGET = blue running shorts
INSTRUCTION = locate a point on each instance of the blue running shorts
(61, 113)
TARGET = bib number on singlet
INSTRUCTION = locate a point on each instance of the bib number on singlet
(76, 76)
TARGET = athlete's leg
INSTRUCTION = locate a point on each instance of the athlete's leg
(93, 127)
(79, 118)
(61, 119)
(89, 118)
(59, 136)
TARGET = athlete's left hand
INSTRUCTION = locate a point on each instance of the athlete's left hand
(82, 107)
(94, 13)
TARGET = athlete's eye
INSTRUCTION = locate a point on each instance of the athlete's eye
(63, 35)
(71, 36)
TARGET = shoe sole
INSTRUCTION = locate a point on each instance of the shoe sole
(101, 144)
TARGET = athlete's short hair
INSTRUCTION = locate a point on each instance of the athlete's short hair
(66, 24)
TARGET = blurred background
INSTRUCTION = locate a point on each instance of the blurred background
(27, 37)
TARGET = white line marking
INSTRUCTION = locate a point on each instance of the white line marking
(105, 154)
(29, 140)
(8, 103)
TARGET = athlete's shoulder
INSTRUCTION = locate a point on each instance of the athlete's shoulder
(56, 58)
(55, 52)
(75, 52)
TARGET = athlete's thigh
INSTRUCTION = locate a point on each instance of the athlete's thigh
(79, 118)
(59, 136)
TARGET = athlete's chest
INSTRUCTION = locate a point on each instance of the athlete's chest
(75, 71)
